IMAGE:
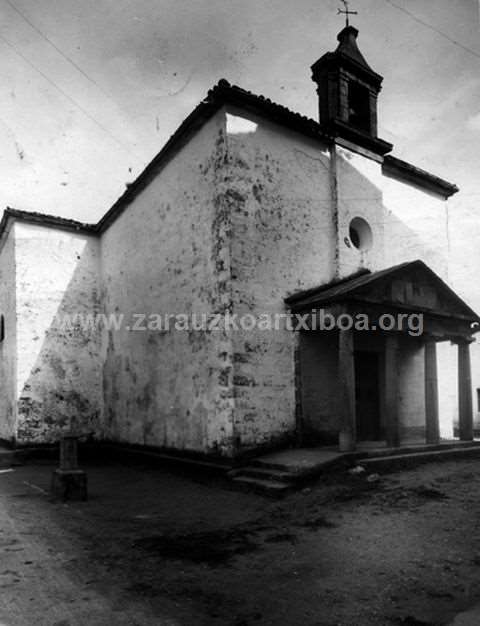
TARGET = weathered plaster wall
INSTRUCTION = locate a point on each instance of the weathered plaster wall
(411, 390)
(318, 369)
(168, 253)
(464, 234)
(417, 228)
(359, 183)
(58, 367)
(283, 242)
(8, 405)
(408, 223)
(319, 384)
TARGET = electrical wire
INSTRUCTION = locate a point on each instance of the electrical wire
(436, 30)
(65, 94)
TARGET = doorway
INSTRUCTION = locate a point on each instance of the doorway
(367, 396)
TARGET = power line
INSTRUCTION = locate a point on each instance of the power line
(67, 96)
(55, 47)
(436, 30)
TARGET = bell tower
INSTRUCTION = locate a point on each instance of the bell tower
(348, 89)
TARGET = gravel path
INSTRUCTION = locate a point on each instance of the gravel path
(154, 548)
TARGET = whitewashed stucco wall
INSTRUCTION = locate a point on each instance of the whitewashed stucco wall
(244, 215)
(291, 232)
(283, 242)
(168, 253)
(408, 223)
(417, 228)
(58, 367)
(464, 235)
(8, 405)
(359, 183)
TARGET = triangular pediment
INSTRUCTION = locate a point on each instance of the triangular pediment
(412, 286)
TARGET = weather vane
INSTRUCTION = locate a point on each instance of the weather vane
(347, 12)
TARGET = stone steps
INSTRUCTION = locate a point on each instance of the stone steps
(263, 486)
(267, 473)
(270, 481)
(280, 473)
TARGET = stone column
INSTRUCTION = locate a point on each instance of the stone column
(432, 426)
(391, 391)
(465, 407)
(346, 391)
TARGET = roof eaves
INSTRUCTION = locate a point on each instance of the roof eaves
(346, 289)
(302, 295)
(45, 219)
(401, 169)
(342, 288)
(193, 122)
(275, 112)
(221, 94)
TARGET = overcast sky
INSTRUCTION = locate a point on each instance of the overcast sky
(91, 90)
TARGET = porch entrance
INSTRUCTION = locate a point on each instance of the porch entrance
(367, 396)
(352, 389)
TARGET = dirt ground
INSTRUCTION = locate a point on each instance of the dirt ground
(155, 547)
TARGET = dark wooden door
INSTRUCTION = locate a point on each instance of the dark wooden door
(367, 396)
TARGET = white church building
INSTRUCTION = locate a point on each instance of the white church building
(249, 210)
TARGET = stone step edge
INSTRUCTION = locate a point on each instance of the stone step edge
(266, 487)
(253, 471)
(418, 456)
(300, 472)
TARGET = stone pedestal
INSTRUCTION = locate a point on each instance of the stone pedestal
(68, 481)
(69, 484)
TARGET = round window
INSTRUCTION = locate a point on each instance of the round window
(360, 233)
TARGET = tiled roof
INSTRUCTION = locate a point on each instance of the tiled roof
(45, 219)
(221, 94)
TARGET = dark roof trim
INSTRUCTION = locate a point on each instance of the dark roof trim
(203, 112)
(44, 219)
(396, 168)
(337, 288)
(347, 289)
(304, 296)
(378, 146)
(223, 93)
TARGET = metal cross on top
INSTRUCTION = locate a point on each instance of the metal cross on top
(347, 12)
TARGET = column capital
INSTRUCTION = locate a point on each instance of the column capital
(431, 338)
(462, 341)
